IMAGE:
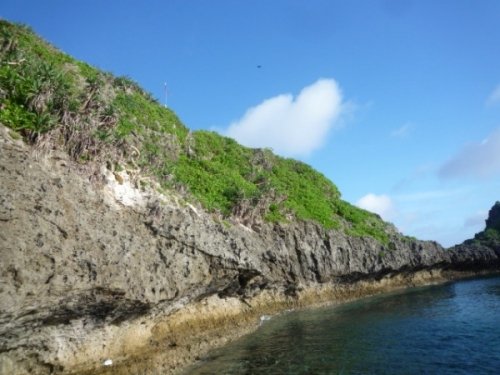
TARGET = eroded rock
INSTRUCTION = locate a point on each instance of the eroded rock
(87, 275)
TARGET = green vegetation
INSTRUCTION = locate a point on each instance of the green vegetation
(222, 166)
(363, 223)
(490, 236)
(55, 101)
(309, 194)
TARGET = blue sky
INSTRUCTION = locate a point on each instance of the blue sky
(397, 102)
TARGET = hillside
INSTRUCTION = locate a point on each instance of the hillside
(490, 236)
(131, 245)
(56, 102)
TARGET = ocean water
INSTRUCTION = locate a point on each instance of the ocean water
(446, 329)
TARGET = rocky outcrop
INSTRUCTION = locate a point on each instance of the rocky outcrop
(493, 220)
(94, 268)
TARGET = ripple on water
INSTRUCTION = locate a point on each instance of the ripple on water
(446, 329)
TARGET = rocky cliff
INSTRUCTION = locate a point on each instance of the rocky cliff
(130, 245)
(98, 269)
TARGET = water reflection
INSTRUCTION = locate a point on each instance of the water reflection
(438, 329)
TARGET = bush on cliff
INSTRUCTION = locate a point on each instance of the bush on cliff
(55, 101)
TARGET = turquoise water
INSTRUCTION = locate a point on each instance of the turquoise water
(446, 329)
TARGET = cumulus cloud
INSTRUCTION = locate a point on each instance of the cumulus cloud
(379, 204)
(494, 98)
(479, 160)
(291, 126)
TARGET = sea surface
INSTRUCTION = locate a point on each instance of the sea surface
(447, 329)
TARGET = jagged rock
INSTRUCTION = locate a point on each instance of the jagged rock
(81, 264)
(493, 220)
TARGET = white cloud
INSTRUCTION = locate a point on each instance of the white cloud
(494, 98)
(379, 204)
(403, 131)
(480, 159)
(291, 126)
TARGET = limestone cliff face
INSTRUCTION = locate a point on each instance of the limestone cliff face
(83, 260)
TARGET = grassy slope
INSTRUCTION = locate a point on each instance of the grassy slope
(55, 101)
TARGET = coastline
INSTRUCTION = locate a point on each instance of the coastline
(113, 289)
(131, 244)
(181, 339)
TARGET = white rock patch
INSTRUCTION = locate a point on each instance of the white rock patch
(120, 189)
(108, 362)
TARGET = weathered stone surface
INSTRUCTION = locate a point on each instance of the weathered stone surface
(81, 261)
